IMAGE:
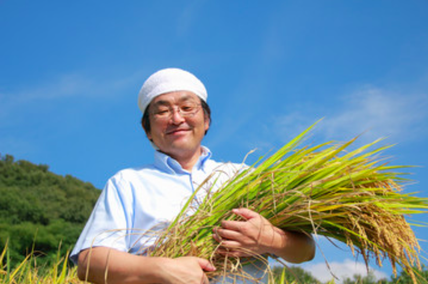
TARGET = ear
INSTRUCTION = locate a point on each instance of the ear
(148, 134)
(206, 123)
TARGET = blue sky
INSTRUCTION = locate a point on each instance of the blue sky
(70, 73)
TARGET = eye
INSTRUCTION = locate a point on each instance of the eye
(187, 107)
(161, 111)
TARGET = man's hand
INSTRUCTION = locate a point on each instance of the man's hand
(123, 267)
(256, 235)
(186, 270)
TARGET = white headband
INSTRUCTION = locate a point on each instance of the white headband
(169, 80)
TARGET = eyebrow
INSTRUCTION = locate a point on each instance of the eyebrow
(165, 102)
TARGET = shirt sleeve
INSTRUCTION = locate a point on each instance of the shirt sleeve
(110, 220)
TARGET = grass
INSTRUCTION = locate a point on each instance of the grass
(60, 272)
(29, 271)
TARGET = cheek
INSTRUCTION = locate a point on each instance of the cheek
(155, 129)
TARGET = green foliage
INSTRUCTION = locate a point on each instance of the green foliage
(293, 274)
(405, 278)
(40, 210)
(370, 278)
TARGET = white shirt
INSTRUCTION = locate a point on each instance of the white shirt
(138, 202)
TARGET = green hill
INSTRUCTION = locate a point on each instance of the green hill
(41, 210)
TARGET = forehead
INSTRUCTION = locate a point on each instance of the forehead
(175, 97)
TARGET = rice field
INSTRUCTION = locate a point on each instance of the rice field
(350, 196)
(61, 272)
(29, 271)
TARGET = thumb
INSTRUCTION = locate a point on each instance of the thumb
(245, 213)
(206, 265)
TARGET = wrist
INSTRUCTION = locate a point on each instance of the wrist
(294, 247)
(160, 269)
(279, 242)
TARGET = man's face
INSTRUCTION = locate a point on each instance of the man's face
(176, 135)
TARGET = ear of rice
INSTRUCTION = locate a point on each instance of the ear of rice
(352, 197)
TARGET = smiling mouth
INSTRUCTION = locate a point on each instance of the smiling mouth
(175, 131)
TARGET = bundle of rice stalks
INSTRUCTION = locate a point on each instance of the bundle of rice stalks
(353, 197)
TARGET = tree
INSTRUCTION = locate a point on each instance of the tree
(293, 274)
(370, 278)
(404, 278)
(40, 210)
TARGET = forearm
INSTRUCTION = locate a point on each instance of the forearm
(101, 263)
(293, 247)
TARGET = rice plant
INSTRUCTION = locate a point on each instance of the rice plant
(349, 196)
(30, 272)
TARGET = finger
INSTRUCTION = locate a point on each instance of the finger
(206, 265)
(232, 225)
(217, 238)
(228, 234)
(216, 235)
(231, 244)
(245, 213)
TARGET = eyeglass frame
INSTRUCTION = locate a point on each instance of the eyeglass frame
(176, 108)
(145, 121)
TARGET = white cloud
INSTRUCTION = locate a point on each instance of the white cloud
(16, 105)
(61, 87)
(341, 270)
(73, 85)
(371, 111)
(380, 112)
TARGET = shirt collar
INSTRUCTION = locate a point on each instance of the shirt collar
(169, 165)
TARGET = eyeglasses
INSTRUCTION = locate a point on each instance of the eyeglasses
(185, 109)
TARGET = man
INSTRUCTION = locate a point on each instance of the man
(137, 203)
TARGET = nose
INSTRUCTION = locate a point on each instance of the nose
(176, 116)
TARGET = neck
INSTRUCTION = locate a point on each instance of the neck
(187, 162)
